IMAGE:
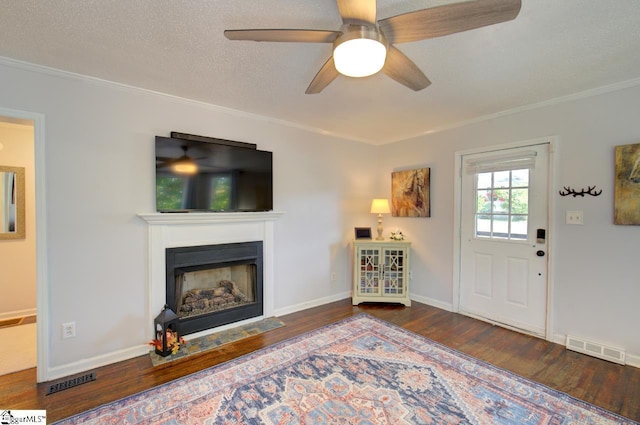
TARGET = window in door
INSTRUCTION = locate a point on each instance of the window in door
(502, 205)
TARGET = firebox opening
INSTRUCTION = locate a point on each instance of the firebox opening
(214, 285)
(215, 289)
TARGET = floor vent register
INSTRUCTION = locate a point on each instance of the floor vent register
(71, 382)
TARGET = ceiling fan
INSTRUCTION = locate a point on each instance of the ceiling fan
(361, 39)
(182, 165)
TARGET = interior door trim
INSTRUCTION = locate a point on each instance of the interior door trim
(457, 217)
(42, 287)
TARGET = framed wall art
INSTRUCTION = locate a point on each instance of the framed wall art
(627, 185)
(410, 193)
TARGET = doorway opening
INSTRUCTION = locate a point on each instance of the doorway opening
(35, 231)
(18, 302)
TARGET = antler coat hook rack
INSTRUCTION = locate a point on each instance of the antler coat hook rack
(590, 191)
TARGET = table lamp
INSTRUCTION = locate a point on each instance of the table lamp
(380, 206)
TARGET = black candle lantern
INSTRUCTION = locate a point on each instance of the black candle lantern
(166, 330)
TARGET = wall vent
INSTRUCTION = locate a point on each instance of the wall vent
(595, 349)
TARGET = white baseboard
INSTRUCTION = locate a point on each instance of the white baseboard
(432, 302)
(633, 360)
(95, 362)
(310, 304)
(18, 313)
(344, 295)
(559, 339)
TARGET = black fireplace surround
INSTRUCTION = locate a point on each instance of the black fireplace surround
(194, 258)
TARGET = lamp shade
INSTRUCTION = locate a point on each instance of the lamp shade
(380, 206)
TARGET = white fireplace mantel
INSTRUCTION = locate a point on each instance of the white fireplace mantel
(172, 230)
(155, 219)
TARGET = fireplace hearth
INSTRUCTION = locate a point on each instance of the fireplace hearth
(214, 285)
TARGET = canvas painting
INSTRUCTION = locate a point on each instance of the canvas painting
(410, 193)
(627, 185)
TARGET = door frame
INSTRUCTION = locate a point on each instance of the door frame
(42, 291)
(457, 223)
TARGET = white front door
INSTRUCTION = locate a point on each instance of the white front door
(503, 237)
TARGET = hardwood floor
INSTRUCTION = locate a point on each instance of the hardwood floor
(608, 385)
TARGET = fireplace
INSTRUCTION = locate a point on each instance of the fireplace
(204, 229)
(213, 285)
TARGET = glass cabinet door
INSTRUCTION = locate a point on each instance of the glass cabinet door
(394, 271)
(370, 271)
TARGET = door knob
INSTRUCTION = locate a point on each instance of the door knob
(540, 253)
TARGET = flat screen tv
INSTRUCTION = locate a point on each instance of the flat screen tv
(209, 176)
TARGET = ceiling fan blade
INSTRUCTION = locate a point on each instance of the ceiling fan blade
(403, 70)
(285, 35)
(323, 78)
(357, 11)
(448, 19)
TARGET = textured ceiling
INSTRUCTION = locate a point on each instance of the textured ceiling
(554, 48)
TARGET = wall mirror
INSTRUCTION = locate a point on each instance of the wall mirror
(12, 225)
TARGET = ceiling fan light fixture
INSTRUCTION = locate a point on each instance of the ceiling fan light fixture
(361, 51)
(185, 166)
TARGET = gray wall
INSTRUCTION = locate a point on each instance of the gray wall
(597, 268)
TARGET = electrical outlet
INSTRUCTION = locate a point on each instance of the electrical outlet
(574, 217)
(68, 330)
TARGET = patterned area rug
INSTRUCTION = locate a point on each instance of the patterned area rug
(360, 371)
